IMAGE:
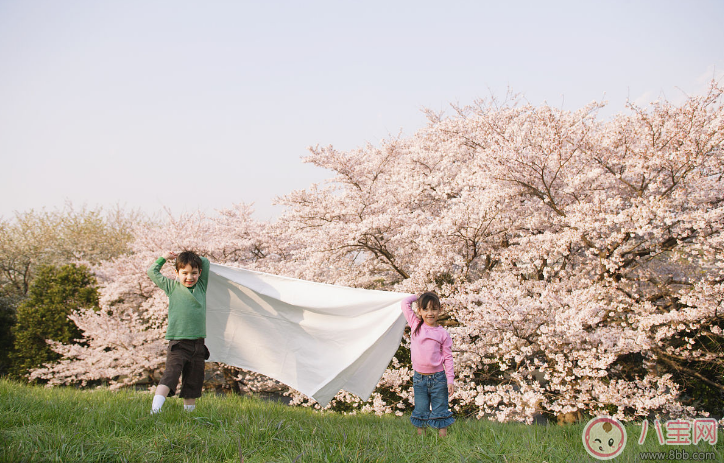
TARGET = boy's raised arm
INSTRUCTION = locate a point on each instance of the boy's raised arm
(205, 268)
(154, 273)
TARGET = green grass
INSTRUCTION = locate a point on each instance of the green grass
(70, 425)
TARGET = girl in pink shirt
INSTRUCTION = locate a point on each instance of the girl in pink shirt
(431, 352)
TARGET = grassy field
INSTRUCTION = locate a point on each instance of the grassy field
(69, 425)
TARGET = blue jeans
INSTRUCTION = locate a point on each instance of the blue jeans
(431, 405)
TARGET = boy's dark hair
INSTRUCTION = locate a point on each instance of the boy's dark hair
(186, 258)
(423, 301)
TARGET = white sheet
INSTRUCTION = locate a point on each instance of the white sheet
(316, 338)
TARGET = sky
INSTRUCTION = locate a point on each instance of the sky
(197, 105)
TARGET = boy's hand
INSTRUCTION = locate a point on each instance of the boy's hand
(170, 255)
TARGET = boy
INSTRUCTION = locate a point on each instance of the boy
(186, 330)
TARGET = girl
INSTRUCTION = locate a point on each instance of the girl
(433, 364)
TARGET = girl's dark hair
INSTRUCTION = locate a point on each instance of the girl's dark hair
(186, 258)
(423, 301)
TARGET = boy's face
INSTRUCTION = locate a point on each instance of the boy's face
(188, 276)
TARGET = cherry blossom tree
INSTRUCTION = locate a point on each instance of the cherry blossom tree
(124, 341)
(579, 259)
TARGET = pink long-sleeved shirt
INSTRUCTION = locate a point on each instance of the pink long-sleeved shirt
(432, 347)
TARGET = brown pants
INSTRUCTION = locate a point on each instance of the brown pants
(185, 359)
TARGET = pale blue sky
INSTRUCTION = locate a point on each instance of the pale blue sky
(198, 105)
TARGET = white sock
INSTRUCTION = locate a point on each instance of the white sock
(158, 401)
(189, 408)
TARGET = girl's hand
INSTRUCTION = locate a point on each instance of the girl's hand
(450, 390)
(414, 310)
(170, 255)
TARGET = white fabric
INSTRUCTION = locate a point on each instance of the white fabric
(314, 337)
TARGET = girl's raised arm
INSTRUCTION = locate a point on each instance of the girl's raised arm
(410, 315)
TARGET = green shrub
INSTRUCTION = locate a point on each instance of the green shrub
(53, 295)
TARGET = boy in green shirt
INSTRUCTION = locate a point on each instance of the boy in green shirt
(187, 353)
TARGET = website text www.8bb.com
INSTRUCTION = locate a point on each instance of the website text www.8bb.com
(677, 454)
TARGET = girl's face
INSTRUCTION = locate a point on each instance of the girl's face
(430, 314)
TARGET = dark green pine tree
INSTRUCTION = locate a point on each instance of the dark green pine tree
(53, 295)
(8, 307)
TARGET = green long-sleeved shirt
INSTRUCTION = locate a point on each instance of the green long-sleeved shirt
(186, 306)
